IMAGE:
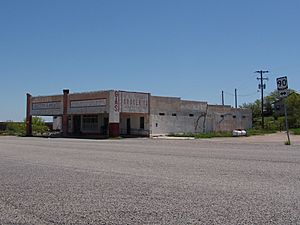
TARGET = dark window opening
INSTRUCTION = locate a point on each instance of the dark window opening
(142, 122)
(90, 122)
(174, 114)
(191, 115)
(156, 124)
(234, 116)
(222, 116)
(244, 117)
(161, 114)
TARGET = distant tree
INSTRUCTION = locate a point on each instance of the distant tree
(18, 128)
(268, 102)
(15, 128)
(274, 95)
(255, 108)
(293, 108)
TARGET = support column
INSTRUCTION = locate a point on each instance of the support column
(114, 114)
(114, 129)
(28, 116)
(65, 112)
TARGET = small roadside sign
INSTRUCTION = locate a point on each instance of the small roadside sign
(282, 86)
(283, 93)
(282, 83)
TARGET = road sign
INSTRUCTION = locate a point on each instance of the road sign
(282, 86)
(282, 83)
(283, 93)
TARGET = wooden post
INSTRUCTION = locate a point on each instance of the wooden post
(65, 112)
(28, 116)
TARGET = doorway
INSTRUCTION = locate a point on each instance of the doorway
(105, 126)
(77, 124)
(128, 126)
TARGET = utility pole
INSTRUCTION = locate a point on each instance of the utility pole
(236, 101)
(262, 86)
(222, 97)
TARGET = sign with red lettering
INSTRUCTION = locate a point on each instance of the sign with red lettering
(116, 101)
(114, 106)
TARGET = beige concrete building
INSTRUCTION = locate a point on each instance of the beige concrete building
(113, 113)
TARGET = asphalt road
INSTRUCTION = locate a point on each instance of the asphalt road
(148, 181)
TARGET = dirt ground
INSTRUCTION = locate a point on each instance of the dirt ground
(221, 181)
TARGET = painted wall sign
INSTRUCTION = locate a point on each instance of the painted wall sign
(114, 106)
(51, 108)
(135, 102)
(46, 105)
(117, 101)
(88, 103)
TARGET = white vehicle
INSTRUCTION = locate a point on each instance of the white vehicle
(238, 133)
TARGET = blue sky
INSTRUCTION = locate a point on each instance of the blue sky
(191, 48)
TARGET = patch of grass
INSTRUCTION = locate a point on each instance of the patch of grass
(203, 135)
(252, 132)
(295, 131)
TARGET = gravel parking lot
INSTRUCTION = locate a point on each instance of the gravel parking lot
(252, 180)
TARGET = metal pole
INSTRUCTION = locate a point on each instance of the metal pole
(235, 94)
(262, 100)
(261, 78)
(286, 123)
(222, 97)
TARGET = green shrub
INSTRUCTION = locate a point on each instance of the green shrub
(19, 128)
(251, 132)
(296, 131)
(15, 128)
(38, 126)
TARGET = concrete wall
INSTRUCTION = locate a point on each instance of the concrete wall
(225, 118)
(57, 123)
(173, 115)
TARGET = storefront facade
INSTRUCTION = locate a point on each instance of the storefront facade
(113, 113)
(106, 113)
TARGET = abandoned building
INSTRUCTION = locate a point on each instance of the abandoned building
(114, 113)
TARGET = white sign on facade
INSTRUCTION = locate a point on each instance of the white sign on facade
(51, 108)
(46, 105)
(88, 103)
(114, 109)
(282, 86)
(135, 102)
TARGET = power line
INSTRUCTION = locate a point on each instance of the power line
(241, 95)
(249, 94)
